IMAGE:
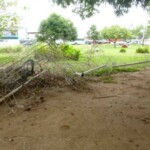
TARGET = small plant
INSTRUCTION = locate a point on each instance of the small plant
(58, 52)
(69, 52)
(146, 49)
(122, 50)
(125, 69)
(142, 50)
(124, 46)
(109, 71)
(139, 50)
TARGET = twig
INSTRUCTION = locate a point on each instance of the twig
(105, 96)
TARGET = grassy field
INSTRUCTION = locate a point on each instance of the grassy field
(6, 58)
(11, 54)
(109, 53)
(104, 54)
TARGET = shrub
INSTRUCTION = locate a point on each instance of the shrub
(124, 46)
(146, 49)
(47, 52)
(56, 52)
(70, 52)
(122, 50)
(142, 50)
(11, 49)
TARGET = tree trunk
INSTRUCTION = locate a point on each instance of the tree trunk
(114, 44)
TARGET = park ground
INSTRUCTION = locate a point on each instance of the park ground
(94, 115)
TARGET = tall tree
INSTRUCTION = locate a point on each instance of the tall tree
(114, 33)
(136, 32)
(148, 23)
(148, 30)
(56, 27)
(8, 16)
(87, 8)
(93, 33)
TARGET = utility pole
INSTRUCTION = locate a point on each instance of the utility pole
(143, 36)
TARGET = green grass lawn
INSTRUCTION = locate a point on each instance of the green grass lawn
(6, 58)
(106, 54)
(11, 54)
(109, 53)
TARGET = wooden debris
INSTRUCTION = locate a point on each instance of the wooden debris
(21, 86)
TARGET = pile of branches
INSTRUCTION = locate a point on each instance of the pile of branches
(30, 70)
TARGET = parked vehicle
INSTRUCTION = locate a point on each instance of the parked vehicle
(79, 42)
(133, 41)
(71, 42)
(88, 41)
(27, 42)
(102, 41)
(121, 43)
(60, 41)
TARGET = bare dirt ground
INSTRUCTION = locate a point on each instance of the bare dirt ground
(102, 116)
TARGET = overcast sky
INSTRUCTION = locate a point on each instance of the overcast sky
(41, 9)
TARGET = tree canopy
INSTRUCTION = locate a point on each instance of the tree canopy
(136, 32)
(87, 8)
(8, 17)
(93, 33)
(115, 32)
(56, 27)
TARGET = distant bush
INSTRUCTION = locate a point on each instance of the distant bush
(57, 52)
(122, 50)
(142, 50)
(11, 49)
(124, 46)
(146, 49)
(70, 52)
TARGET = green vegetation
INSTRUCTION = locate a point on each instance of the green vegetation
(70, 52)
(5, 59)
(78, 57)
(8, 19)
(11, 49)
(142, 49)
(136, 31)
(122, 50)
(115, 32)
(87, 8)
(56, 27)
(126, 69)
(110, 56)
(10, 53)
(93, 33)
(106, 72)
(59, 52)
(109, 53)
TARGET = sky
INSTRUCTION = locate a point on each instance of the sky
(37, 10)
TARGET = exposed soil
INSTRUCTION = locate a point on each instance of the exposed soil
(96, 116)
